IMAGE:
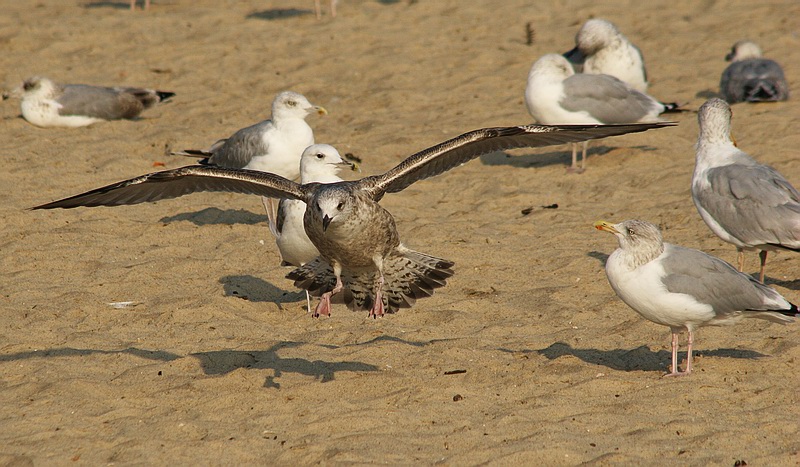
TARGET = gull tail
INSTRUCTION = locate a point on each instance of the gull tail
(408, 276)
(148, 97)
(164, 96)
(192, 153)
(672, 107)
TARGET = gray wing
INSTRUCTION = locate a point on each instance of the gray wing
(754, 80)
(607, 99)
(240, 148)
(461, 149)
(99, 102)
(183, 181)
(714, 282)
(754, 203)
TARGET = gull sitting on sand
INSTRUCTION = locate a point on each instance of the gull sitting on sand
(46, 103)
(750, 77)
(600, 49)
(360, 250)
(684, 288)
(743, 202)
(320, 163)
(556, 95)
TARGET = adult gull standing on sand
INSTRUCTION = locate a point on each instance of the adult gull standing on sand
(743, 202)
(750, 77)
(360, 250)
(556, 95)
(273, 145)
(320, 163)
(684, 288)
(600, 49)
(46, 103)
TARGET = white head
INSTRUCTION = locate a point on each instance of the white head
(552, 67)
(289, 104)
(320, 163)
(715, 122)
(596, 34)
(640, 240)
(743, 50)
(35, 87)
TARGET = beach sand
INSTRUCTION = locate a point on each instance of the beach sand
(526, 357)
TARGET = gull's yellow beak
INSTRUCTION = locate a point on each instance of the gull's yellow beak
(734, 141)
(607, 226)
(320, 110)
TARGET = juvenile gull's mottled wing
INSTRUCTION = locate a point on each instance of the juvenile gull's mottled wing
(452, 153)
(183, 181)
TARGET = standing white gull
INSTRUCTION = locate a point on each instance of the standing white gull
(273, 145)
(684, 288)
(356, 238)
(750, 77)
(743, 202)
(49, 104)
(556, 95)
(600, 49)
(320, 163)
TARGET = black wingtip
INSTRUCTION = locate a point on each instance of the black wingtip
(672, 107)
(165, 96)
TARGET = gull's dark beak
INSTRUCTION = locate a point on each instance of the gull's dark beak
(729, 56)
(347, 164)
(326, 221)
(575, 56)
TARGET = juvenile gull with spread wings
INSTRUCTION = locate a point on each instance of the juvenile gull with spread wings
(752, 78)
(46, 103)
(355, 236)
(684, 288)
(743, 202)
(600, 49)
(556, 95)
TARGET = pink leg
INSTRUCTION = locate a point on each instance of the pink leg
(377, 307)
(689, 354)
(674, 371)
(324, 306)
(741, 259)
(763, 255)
(333, 8)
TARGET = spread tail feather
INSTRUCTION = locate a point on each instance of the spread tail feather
(407, 278)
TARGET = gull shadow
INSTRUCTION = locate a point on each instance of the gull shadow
(278, 13)
(550, 158)
(707, 94)
(220, 362)
(254, 289)
(72, 352)
(638, 359)
(216, 216)
(793, 284)
(107, 4)
(601, 257)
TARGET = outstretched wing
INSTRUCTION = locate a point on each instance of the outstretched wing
(452, 153)
(183, 181)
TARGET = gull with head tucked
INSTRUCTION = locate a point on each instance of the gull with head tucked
(743, 202)
(360, 253)
(752, 78)
(684, 288)
(46, 103)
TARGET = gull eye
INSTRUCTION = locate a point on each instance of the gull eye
(28, 85)
(320, 155)
(291, 103)
(340, 206)
(631, 232)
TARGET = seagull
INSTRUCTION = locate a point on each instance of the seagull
(751, 78)
(273, 145)
(600, 49)
(684, 288)
(743, 202)
(356, 237)
(49, 104)
(556, 95)
(319, 163)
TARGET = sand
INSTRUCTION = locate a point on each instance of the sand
(527, 357)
